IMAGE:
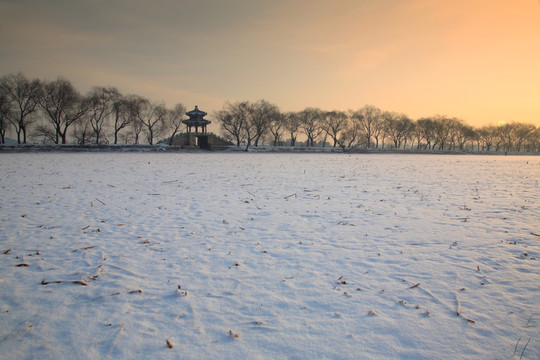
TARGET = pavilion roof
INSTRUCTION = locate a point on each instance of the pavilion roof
(196, 122)
(196, 112)
(196, 118)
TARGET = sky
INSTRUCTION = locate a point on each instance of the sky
(477, 60)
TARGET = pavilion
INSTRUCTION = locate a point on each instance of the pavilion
(196, 120)
(199, 139)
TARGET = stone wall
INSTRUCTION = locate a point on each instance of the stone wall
(200, 141)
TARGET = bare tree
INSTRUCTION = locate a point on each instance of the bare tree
(101, 101)
(532, 143)
(387, 117)
(230, 127)
(370, 122)
(511, 136)
(121, 115)
(4, 110)
(135, 104)
(23, 96)
(292, 125)
(417, 134)
(521, 132)
(262, 115)
(277, 128)
(81, 131)
(249, 130)
(323, 136)
(460, 133)
(334, 122)
(487, 136)
(43, 133)
(378, 131)
(505, 138)
(246, 123)
(174, 119)
(310, 122)
(233, 119)
(398, 127)
(350, 135)
(63, 106)
(442, 129)
(152, 116)
(425, 128)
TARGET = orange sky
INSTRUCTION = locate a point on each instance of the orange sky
(477, 60)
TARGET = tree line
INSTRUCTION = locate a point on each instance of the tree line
(252, 123)
(104, 115)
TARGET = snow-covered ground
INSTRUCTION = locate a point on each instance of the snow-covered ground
(265, 256)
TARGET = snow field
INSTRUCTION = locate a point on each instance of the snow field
(269, 256)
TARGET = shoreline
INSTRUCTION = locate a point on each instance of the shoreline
(75, 148)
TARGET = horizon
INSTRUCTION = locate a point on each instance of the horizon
(477, 61)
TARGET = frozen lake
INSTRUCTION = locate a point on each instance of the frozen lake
(239, 255)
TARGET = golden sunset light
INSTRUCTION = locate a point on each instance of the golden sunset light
(474, 60)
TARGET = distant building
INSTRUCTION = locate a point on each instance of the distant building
(200, 138)
(196, 120)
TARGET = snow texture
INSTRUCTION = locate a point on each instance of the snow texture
(258, 256)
